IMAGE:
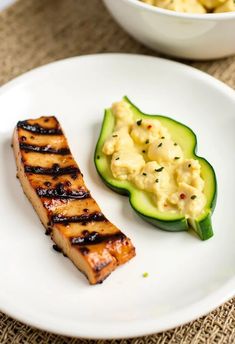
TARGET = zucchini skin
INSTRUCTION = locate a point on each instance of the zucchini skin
(170, 226)
(202, 227)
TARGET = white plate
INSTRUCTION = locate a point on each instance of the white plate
(5, 3)
(187, 277)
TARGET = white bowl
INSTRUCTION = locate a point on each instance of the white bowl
(185, 35)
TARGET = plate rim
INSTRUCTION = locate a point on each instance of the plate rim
(188, 313)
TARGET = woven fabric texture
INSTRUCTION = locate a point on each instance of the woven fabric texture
(36, 32)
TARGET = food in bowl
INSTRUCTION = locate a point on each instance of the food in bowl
(194, 6)
(201, 36)
(152, 159)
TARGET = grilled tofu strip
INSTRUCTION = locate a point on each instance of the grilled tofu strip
(54, 184)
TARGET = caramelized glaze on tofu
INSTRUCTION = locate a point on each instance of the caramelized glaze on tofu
(52, 181)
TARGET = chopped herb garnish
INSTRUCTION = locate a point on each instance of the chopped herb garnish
(139, 122)
(157, 180)
(176, 157)
(147, 141)
(159, 169)
(163, 137)
(193, 196)
(143, 151)
(115, 135)
(98, 157)
(160, 144)
(144, 174)
(189, 165)
(175, 144)
(117, 158)
(145, 274)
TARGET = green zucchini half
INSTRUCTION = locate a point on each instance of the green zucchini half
(140, 200)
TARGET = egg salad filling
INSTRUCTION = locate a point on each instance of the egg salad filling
(194, 6)
(143, 152)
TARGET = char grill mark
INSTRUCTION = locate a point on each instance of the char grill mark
(55, 170)
(92, 238)
(44, 149)
(84, 219)
(37, 129)
(61, 193)
(96, 248)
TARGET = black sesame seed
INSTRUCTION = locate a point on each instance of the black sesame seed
(193, 196)
(160, 144)
(48, 231)
(159, 169)
(74, 176)
(47, 184)
(139, 122)
(57, 248)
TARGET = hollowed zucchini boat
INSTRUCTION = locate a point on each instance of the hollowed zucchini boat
(140, 200)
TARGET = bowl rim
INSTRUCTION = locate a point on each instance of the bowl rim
(205, 16)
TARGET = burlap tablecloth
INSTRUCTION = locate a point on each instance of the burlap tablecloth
(35, 32)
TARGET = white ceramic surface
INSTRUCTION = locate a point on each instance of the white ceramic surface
(5, 3)
(190, 36)
(187, 277)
